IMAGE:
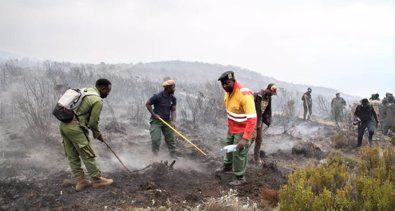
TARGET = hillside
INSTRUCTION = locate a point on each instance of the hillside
(34, 173)
(198, 72)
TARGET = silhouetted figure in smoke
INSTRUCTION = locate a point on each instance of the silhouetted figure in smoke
(307, 104)
(337, 106)
(388, 114)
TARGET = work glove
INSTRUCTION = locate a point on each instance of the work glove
(229, 148)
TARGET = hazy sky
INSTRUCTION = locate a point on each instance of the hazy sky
(343, 44)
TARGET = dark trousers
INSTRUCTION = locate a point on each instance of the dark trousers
(256, 137)
(361, 130)
(307, 110)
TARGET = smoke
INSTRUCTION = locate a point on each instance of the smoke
(137, 158)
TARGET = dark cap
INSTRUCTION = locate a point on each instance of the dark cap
(227, 75)
(309, 89)
(365, 101)
(338, 93)
(272, 88)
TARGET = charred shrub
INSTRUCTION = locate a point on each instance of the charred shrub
(344, 140)
(34, 105)
(308, 149)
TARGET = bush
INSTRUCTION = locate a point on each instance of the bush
(344, 140)
(365, 183)
(35, 105)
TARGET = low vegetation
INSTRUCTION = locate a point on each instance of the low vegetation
(342, 183)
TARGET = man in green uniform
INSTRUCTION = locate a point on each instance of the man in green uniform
(76, 141)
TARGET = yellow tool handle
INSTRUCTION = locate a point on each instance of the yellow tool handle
(167, 124)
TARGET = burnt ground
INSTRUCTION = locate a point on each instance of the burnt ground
(157, 186)
(34, 173)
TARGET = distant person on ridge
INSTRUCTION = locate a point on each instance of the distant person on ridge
(365, 114)
(76, 137)
(164, 103)
(263, 107)
(337, 106)
(307, 104)
(376, 103)
(240, 108)
(384, 103)
(385, 99)
(388, 115)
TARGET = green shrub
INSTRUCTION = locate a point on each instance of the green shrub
(342, 183)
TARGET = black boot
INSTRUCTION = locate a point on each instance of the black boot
(240, 180)
(224, 169)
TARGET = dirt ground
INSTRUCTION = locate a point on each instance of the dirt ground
(155, 187)
(34, 174)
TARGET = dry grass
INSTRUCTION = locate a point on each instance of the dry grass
(228, 202)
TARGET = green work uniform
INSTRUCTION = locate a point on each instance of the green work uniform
(156, 129)
(75, 135)
(239, 158)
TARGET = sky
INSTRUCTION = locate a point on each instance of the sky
(345, 45)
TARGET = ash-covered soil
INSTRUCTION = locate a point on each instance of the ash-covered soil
(158, 185)
(153, 187)
(34, 173)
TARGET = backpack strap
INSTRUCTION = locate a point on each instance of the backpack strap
(85, 93)
(82, 114)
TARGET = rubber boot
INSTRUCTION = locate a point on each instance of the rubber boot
(101, 182)
(240, 180)
(82, 183)
(226, 168)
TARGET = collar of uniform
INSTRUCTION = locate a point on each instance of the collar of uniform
(236, 85)
(96, 90)
(263, 96)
